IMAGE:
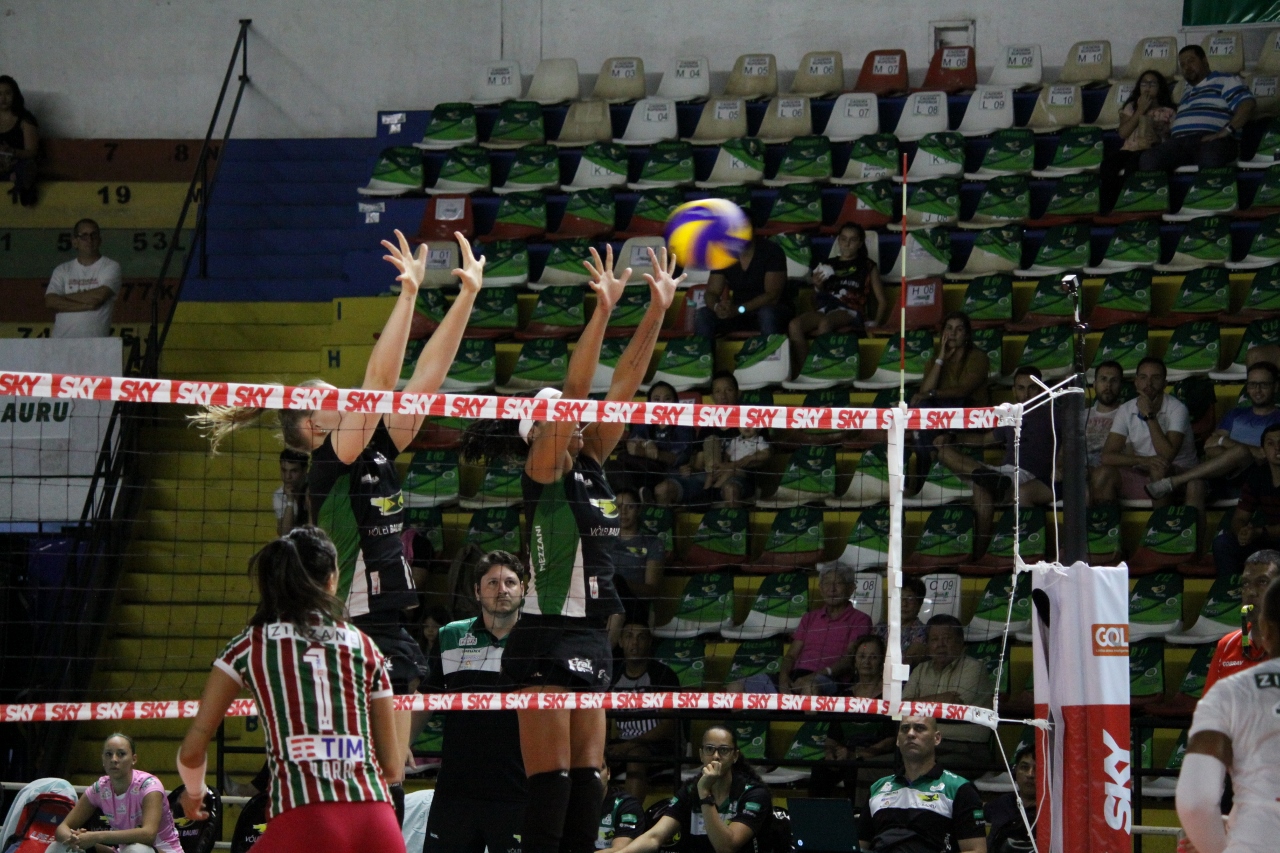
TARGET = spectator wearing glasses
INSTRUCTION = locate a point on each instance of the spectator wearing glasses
(83, 290)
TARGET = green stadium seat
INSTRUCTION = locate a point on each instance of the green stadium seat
(833, 359)
(1144, 195)
(397, 171)
(1204, 242)
(500, 486)
(495, 528)
(1012, 152)
(1192, 350)
(520, 216)
(1262, 300)
(919, 350)
(540, 364)
(565, 264)
(1268, 150)
(1075, 199)
(868, 544)
(778, 607)
(1050, 306)
(755, 657)
(1146, 672)
(493, 315)
(536, 168)
(795, 541)
(465, 169)
(1219, 616)
(506, 263)
(1135, 244)
(432, 479)
(940, 486)
(588, 214)
(1155, 606)
(519, 123)
(1078, 151)
(603, 164)
(1169, 539)
(649, 217)
(808, 744)
(872, 157)
(1050, 349)
(996, 249)
(798, 248)
(738, 161)
(1103, 528)
(686, 658)
(473, 368)
(705, 607)
(1213, 193)
(1030, 533)
(1125, 343)
(686, 363)
(810, 477)
(797, 207)
(763, 360)
(868, 204)
(988, 301)
(1064, 247)
(719, 543)
(947, 541)
(1005, 200)
(870, 482)
(558, 313)
(928, 253)
(805, 160)
(1183, 703)
(668, 165)
(988, 622)
(938, 155)
(1205, 294)
(1164, 787)
(1257, 333)
(451, 125)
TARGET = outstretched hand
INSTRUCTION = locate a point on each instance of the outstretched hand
(471, 273)
(412, 266)
(608, 287)
(662, 284)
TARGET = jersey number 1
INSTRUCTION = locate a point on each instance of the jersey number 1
(320, 673)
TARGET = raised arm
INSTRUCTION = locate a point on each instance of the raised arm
(599, 439)
(440, 350)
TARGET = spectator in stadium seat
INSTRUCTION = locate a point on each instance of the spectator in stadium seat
(651, 450)
(821, 648)
(290, 500)
(1108, 379)
(1034, 463)
(622, 816)
(748, 296)
(638, 560)
(1150, 439)
(949, 675)
(1145, 120)
(914, 633)
(1255, 521)
(133, 803)
(641, 736)
(856, 737)
(82, 291)
(687, 485)
(924, 808)
(19, 141)
(1233, 653)
(1008, 832)
(732, 462)
(842, 287)
(957, 377)
(1214, 109)
(1237, 442)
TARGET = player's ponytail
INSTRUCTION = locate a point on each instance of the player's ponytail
(293, 574)
(217, 422)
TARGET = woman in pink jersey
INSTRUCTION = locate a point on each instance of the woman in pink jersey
(133, 803)
(325, 700)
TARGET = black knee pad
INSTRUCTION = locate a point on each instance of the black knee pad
(397, 800)
(582, 820)
(544, 812)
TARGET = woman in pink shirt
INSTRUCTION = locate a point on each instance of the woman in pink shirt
(133, 803)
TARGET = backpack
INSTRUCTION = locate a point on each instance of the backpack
(775, 835)
(251, 824)
(197, 836)
(38, 822)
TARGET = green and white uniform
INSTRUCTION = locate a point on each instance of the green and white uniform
(934, 812)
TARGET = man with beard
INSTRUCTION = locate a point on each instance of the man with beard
(1108, 378)
(1214, 109)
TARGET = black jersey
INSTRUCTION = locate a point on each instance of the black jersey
(622, 817)
(361, 508)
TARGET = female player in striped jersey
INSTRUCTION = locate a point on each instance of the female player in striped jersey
(561, 641)
(325, 700)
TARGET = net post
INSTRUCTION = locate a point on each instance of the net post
(1073, 545)
(895, 672)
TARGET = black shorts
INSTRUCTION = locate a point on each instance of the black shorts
(407, 665)
(558, 651)
(464, 825)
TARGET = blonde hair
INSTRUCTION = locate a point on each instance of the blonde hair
(217, 422)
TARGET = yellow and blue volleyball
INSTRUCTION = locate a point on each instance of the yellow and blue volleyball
(708, 234)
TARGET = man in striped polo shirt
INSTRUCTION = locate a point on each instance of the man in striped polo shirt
(1214, 109)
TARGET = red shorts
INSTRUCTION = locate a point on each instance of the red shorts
(344, 828)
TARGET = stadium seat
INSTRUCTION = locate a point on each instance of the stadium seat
(1169, 539)
(869, 204)
(833, 359)
(805, 160)
(738, 161)
(1020, 67)
(719, 543)
(1257, 333)
(1192, 350)
(942, 594)
(1004, 201)
(1219, 616)
(1212, 193)
(540, 364)
(871, 158)
(1225, 51)
(536, 168)
(611, 350)
(558, 313)
(869, 485)
(432, 479)
(853, 116)
(621, 79)
(810, 476)
(635, 253)
(473, 368)
(1262, 300)
(495, 528)
(652, 120)
(1103, 527)
(795, 541)
(919, 353)
(451, 125)
(1204, 242)
(928, 256)
(1203, 295)
(1109, 116)
(1135, 244)
(808, 744)
(820, 74)
(629, 311)
(397, 171)
(1074, 199)
(1266, 197)
(520, 216)
(686, 363)
(1030, 533)
(500, 486)
(1012, 152)
(1079, 149)
(555, 81)
(493, 316)
(1143, 196)
(705, 607)
(785, 118)
(754, 76)
(496, 82)
(951, 70)
(584, 123)
(565, 264)
(938, 155)
(1063, 247)
(778, 607)
(933, 203)
(1059, 106)
(756, 657)
(1050, 306)
(1183, 702)
(941, 486)
(884, 73)
(1155, 606)
(1165, 787)
(796, 207)
(996, 249)
(506, 262)
(443, 215)
(1050, 349)
(763, 360)
(443, 256)
(1088, 64)
(1125, 343)
(1156, 53)
(687, 78)
(867, 547)
(464, 170)
(587, 213)
(602, 164)
(660, 521)
(798, 248)
(519, 123)
(988, 301)
(668, 164)
(1263, 87)
(722, 119)
(1125, 297)
(648, 218)
(991, 342)
(923, 113)
(988, 622)
(1146, 672)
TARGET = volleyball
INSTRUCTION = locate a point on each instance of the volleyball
(708, 234)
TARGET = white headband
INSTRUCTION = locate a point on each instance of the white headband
(526, 424)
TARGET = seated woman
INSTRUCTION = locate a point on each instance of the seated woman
(915, 634)
(133, 803)
(19, 141)
(841, 288)
(860, 737)
(721, 811)
(1145, 120)
(957, 377)
(651, 451)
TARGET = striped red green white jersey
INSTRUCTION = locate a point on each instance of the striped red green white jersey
(313, 695)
